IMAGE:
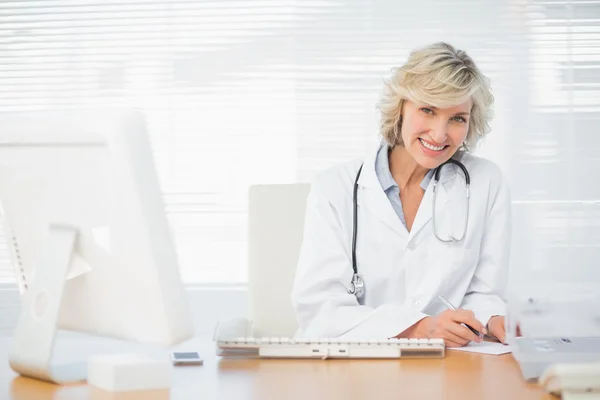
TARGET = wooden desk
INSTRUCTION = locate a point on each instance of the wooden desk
(458, 376)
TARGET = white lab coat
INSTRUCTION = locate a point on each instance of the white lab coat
(403, 271)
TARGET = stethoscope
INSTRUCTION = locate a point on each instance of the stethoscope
(357, 285)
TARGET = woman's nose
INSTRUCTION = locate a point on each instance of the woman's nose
(438, 133)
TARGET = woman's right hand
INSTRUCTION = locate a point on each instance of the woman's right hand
(447, 326)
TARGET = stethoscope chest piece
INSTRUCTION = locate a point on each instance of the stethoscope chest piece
(357, 286)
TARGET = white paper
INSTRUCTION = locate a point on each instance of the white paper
(78, 266)
(484, 348)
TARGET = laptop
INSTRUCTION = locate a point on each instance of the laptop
(534, 355)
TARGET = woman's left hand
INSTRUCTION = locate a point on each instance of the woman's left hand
(496, 328)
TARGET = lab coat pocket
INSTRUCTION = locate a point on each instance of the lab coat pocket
(448, 273)
(451, 279)
(444, 270)
(456, 272)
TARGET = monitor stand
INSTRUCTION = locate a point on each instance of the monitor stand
(34, 338)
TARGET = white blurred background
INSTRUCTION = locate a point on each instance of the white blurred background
(244, 92)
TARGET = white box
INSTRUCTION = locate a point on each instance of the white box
(129, 372)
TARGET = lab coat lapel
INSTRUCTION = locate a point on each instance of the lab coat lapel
(425, 211)
(372, 197)
(377, 204)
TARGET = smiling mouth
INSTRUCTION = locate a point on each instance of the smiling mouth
(432, 147)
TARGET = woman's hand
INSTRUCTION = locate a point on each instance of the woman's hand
(447, 326)
(496, 328)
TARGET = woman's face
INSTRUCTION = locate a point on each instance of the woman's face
(432, 135)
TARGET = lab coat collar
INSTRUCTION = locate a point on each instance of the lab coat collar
(378, 203)
(372, 196)
(368, 176)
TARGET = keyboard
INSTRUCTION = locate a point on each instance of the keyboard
(331, 348)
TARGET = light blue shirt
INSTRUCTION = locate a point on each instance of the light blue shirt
(389, 185)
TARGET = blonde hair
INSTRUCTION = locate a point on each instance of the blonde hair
(441, 76)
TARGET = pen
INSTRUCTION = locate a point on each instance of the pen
(450, 306)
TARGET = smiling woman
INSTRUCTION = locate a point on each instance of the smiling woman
(433, 109)
(438, 76)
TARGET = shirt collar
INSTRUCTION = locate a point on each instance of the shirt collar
(382, 169)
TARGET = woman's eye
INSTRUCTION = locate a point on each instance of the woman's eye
(427, 110)
(459, 119)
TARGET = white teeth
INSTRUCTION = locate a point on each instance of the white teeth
(430, 147)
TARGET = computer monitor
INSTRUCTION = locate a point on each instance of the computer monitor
(88, 235)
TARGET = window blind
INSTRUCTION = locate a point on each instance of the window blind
(243, 92)
(558, 203)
